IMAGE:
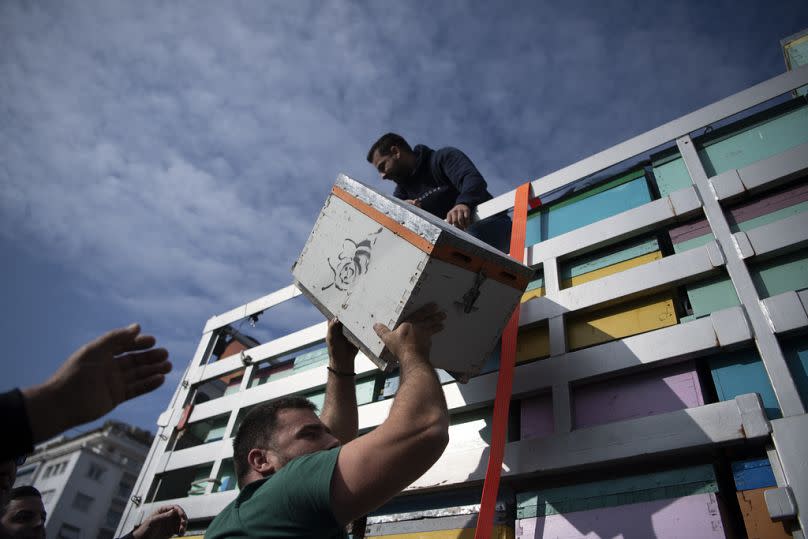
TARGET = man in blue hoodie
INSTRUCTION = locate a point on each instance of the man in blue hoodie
(443, 182)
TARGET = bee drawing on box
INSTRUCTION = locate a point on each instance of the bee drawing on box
(351, 262)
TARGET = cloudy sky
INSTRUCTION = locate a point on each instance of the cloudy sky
(163, 162)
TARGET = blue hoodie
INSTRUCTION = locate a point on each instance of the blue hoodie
(442, 179)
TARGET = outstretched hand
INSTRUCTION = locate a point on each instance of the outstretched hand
(166, 522)
(412, 339)
(114, 368)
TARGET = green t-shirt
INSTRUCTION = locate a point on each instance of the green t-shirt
(294, 502)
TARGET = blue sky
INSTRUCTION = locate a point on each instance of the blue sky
(163, 162)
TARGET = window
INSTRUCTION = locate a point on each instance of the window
(124, 489)
(46, 496)
(55, 469)
(113, 517)
(126, 485)
(95, 471)
(68, 531)
(82, 502)
(25, 475)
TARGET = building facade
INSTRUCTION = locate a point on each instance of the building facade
(660, 382)
(86, 480)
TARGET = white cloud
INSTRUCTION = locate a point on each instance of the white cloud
(178, 155)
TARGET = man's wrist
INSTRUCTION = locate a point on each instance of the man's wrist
(341, 362)
(341, 372)
(413, 359)
(139, 532)
(46, 416)
(469, 207)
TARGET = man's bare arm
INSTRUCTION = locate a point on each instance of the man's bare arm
(374, 468)
(339, 408)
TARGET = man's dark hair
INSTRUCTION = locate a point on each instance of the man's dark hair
(25, 491)
(385, 142)
(258, 428)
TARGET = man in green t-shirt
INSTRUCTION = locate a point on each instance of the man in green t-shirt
(308, 477)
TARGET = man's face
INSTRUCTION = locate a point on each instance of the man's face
(300, 432)
(391, 166)
(24, 518)
(8, 474)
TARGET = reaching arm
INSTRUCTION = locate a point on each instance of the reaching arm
(99, 376)
(459, 169)
(372, 469)
(339, 408)
(166, 522)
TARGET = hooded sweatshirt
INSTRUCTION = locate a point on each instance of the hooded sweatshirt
(442, 179)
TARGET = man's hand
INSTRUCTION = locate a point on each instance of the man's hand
(459, 216)
(412, 339)
(414, 202)
(341, 351)
(166, 522)
(99, 376)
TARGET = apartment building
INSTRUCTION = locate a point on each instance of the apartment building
(86, 480)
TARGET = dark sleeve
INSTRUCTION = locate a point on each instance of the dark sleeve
(459, 170)
(400, 193)
(14, 424)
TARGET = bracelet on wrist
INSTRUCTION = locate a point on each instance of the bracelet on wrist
(340, 373)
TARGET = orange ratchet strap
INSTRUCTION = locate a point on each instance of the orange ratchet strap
(502, 401)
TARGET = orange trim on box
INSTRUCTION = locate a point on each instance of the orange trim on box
(491, 270)
(450, 255)
(391, 224)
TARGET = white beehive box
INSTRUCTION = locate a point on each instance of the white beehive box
(372, 258)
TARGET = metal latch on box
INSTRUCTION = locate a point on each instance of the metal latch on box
(470, 297)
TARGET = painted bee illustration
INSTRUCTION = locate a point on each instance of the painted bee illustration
(353, 261)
